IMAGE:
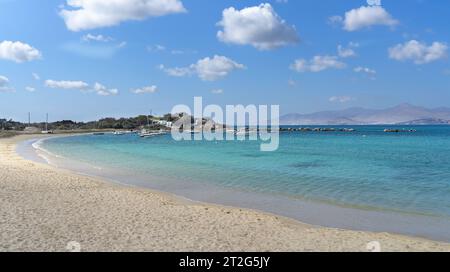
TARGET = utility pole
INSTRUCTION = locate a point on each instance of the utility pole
(46, 123)
(29, 119)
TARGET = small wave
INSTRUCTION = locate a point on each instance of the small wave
(49, 157)
(38, 146)
(44, 153)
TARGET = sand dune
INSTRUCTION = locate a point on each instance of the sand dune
(44, 209)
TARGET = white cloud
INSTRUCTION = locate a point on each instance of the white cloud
(36, 76)
(30, 89)
(81, 86)
(259, 26)
(341, 99)
(176, 71)
(90, 14)
(97, 38)
(364, 70)
(363, 17)
(347, 52)
(207, 69)
(317, 64)
(4, 85)
(371, 73)
(18, 52)
(217, 91)
(66, 85)
(103, 91)
(211, 69)
(418, 52)
(145, 90)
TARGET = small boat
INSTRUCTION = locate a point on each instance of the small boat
(123, 132)
(150, 134)
(145, 133)
(98, 133)
(245, 132)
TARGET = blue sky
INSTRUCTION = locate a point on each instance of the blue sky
(390, 54)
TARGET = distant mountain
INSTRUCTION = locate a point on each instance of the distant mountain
(401, 114)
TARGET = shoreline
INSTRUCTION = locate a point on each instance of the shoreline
(160, 221)
(311, 212)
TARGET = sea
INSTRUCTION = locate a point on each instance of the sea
(365, 179)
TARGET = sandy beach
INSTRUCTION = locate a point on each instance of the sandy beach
(43, 208)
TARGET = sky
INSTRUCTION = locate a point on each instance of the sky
(87, 59)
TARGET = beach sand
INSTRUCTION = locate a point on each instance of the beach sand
(43, 208)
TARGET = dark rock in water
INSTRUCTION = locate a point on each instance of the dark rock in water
(399, 130)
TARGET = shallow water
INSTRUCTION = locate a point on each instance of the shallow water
(367, 179)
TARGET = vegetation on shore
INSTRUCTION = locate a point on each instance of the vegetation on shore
(6, 134)
(102, 124)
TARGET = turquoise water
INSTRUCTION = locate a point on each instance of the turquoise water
(368, 169)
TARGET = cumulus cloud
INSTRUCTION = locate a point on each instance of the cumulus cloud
(259, 26)
(18, 52)
(4, 85)
(418, 52)
(211, 69)
(363, 17)
(103, 91)
(30, 89)
(35, 76)
(145, 90)
(81, 86)
(340, 99)
(207, 69)
(66, 84)
(90, 14)
(317, 64)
